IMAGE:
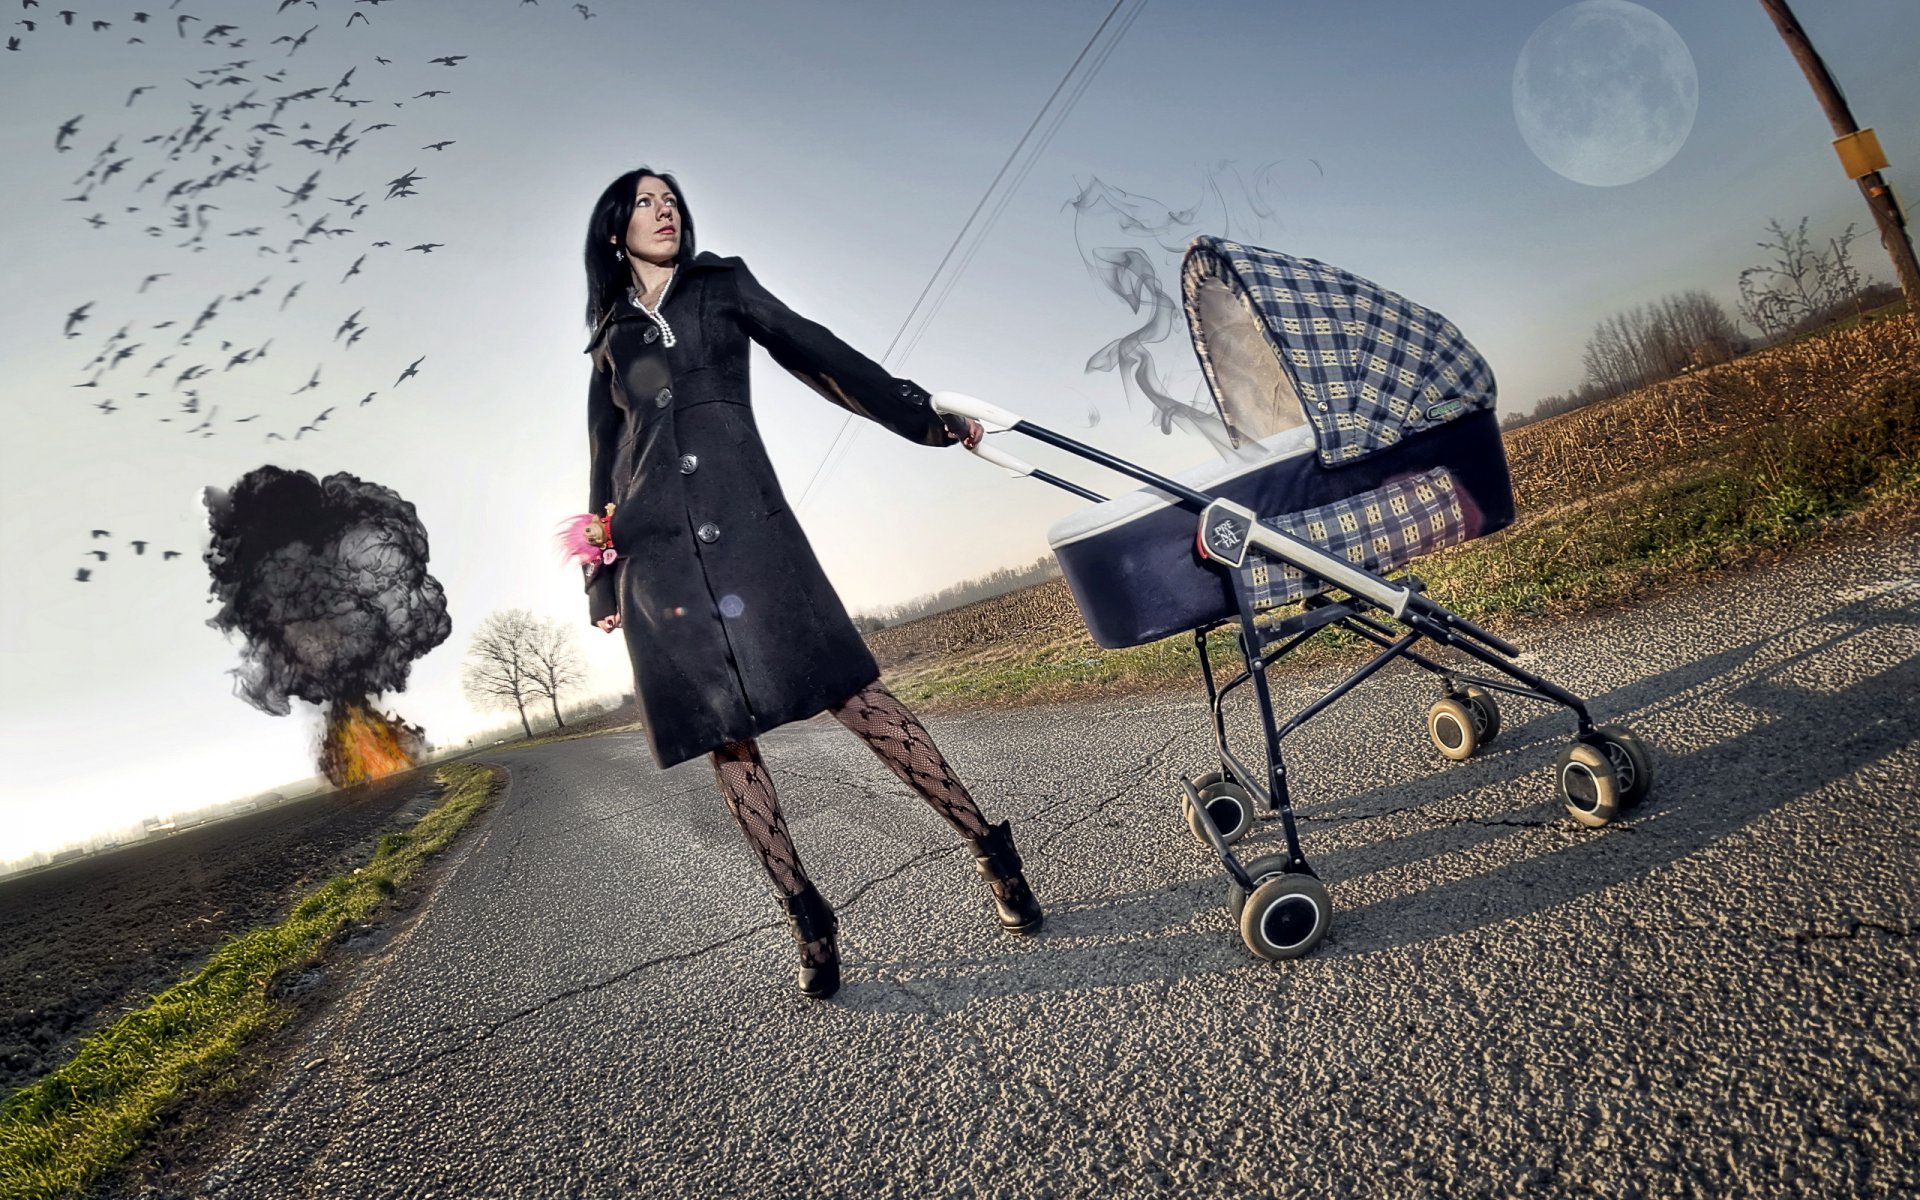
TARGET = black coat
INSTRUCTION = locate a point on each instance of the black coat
(731, 624)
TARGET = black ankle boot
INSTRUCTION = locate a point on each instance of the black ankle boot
(813, 921)
(997, 860)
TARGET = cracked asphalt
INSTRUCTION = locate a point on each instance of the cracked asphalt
(1715, 997)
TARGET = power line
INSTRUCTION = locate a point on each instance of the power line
(842, 438)
(1020, 177)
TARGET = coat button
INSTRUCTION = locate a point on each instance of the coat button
(651, 333)
(663, 397)
(689, 463)
(708, 533)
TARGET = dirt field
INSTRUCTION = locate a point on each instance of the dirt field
(86, 941)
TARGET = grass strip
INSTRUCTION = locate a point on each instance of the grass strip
(62, 1133)
(1704, 504)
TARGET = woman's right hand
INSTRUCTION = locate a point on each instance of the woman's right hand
(609, 623)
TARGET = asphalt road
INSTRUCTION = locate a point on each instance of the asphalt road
(1715, 997)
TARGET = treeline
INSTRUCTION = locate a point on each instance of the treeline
(997, 583)
(1643, 345)
(1801, 289)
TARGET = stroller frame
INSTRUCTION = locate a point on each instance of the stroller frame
(1282, 907)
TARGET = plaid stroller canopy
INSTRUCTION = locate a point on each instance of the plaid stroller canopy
(1283, 338)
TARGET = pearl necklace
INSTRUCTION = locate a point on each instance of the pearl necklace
(633, 298)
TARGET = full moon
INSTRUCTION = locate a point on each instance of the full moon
(1605, 92)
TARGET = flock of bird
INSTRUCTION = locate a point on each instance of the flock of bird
(214, 149)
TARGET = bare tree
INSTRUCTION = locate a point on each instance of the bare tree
(1648, 343)
(501, 667)
(1843, 282)
(555, 663)
(1802, 287)
(1773, 297)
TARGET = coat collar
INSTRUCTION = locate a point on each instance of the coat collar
(706, 260)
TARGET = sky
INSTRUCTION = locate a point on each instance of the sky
(839, 146)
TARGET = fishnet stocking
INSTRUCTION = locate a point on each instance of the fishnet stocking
(748, 788)
(897, 736)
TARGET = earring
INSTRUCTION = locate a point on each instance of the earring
(619, 252)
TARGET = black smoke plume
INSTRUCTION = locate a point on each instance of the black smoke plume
(327, 581)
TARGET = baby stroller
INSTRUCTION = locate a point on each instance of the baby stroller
(1364, 435)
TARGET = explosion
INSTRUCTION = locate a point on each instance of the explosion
(327, 582)
(362, 744)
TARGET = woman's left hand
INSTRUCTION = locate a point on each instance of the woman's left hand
(974, 434)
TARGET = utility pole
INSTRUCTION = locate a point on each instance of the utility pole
(1859, 152)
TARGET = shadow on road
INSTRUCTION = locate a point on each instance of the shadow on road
(1806, 718)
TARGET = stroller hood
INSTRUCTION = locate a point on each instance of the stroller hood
(1283, 338)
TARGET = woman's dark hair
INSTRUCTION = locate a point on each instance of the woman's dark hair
(608, 276)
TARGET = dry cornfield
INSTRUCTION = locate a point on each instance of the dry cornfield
(1610, 442)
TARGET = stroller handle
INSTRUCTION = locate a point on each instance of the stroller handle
(993, 419)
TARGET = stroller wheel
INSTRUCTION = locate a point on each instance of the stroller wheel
(1272, 866)
(1454, 730)
(1589, 785)
(1632, 765)
(1228, 805)
(1486, 713)
(1286, 917)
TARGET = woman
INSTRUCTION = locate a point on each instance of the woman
(731, 625)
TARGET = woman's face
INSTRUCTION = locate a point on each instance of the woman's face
(654, 231)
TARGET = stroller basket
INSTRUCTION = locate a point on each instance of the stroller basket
(1364, 436)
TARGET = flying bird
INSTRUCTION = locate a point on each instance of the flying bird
(75, 317)
(438, 145)
(301, 194)
(354, 269)
(427, 247)
(450, 60)
(411, 370)
(309, 385)
(138, 547)
(82, 575)
(297, 41)
(403, 185)
(135, 93)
